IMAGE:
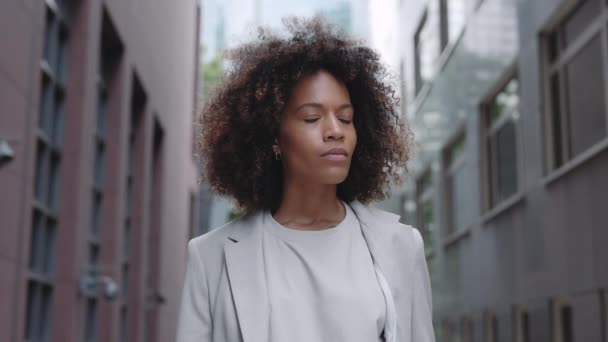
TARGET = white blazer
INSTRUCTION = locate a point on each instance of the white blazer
(224, 298)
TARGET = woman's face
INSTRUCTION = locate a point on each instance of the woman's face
(318, 118)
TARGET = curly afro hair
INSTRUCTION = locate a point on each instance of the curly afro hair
(241, 119)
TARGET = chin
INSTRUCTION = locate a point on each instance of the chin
(334, 178)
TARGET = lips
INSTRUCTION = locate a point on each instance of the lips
(335, 152)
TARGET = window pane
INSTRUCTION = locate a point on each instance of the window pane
(49, 247)
(586, 92)
(504, 171)
(525, 328)
(45, 313)
(91, 317)
(427, 45)
(53, 191)
(125, 282)
(123, 325)
(457, 14)
(126, 238)
(96, 214)
(41, 181)
(93, 258)
(428, 221)
(556, 121)
(460, 199)
(566, 324)
(579, 20)
(57, 119)
(36, 237)
(31, 316)
(45, 115)
(99, 163)
(62, 57)
(507, 101)
(456, 150)
(50, 37)
(129, 195)
(102, 111)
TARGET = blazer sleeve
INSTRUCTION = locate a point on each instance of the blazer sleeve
(422, 311)
(194, 319)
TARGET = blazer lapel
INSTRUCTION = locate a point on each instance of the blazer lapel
(246, 277)
(379, 228)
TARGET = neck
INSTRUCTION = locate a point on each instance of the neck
(309, 206)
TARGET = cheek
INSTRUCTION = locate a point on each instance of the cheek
(298, 142)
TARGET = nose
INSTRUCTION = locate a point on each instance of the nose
(333, 129)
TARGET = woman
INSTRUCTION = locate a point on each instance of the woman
(302, 133)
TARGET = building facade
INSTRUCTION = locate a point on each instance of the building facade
(509, 104)
(97, 198)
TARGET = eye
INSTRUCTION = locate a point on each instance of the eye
(346, 121)
(311, 119)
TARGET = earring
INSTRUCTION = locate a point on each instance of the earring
(277, 154)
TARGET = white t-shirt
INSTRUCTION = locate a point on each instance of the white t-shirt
(322, 284)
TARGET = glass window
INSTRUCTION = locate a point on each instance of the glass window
(577, 109)
(457, 11)
(62, 57)
(566, 323)
(99, 162)
(466, 329)
(102, 109)
(585, 97)
(42, 173)
(43, 232)
(38, 312)
(96, 214)
(58, 120)
(562, 320)
(32, 311)
(502, 116)
(427, 45)
(457, 183)
(125, 282)
(50, 37)
(49, 247)
(91, 318)
(522, 328)
(579, 20)
(425, 209)
(46, 105)
(53, 190)
(491, 327)
(123, 325)
(36, 241)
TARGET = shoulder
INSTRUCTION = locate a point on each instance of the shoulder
(386, 229)
(387, 222)
(210, 245)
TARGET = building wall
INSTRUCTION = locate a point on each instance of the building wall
(158, 43)
(544, 244)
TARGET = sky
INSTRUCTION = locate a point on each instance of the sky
(241, 21)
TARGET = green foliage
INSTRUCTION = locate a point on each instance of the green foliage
(213, 73)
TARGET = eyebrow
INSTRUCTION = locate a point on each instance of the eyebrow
(318, 105)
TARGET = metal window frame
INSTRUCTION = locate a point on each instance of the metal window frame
(488, 130)
(598, 26)
(48, 148)
(490, 326)
(424, 194)
(557, 304)
(448, 169)
(418, 82)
